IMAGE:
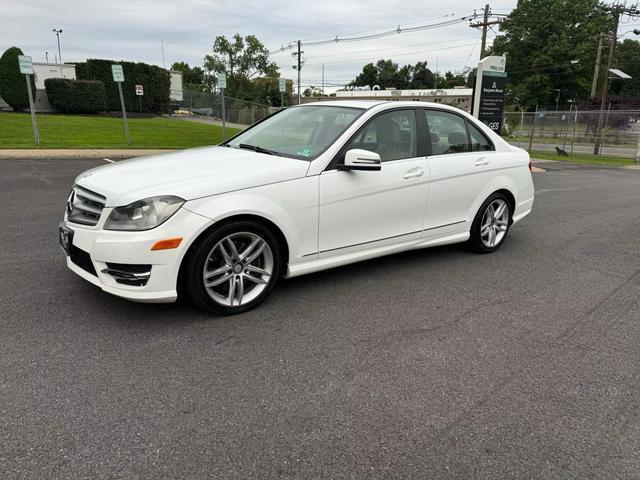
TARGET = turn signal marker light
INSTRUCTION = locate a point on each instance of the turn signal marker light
(167, 244)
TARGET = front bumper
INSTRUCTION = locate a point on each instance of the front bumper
(134, 248)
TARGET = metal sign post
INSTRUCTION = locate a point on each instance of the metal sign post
(118, 77)
(282, 86)
(222, 84)
(26, 68)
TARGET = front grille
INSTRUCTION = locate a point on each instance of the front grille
(82, 259)
(84, 206)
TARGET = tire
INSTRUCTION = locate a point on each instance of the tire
(233, 268)
(488, 230)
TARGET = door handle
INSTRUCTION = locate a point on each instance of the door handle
(482, 161)
(418, 172)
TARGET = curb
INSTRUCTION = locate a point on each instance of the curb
(77, 153)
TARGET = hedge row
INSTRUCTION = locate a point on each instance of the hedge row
(13, 86)
(75, 96)
(155, 80)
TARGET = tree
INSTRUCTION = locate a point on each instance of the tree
(422, 77)
(550, 46)
(451, 80)
(192, 78)
(368, 77)
(386, 74)
(13, 87)
(242, 59)
(267, 91)
(312, 92)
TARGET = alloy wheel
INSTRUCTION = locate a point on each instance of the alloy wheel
(495, 222)
(238, 269)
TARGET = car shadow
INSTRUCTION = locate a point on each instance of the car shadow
(182, 312)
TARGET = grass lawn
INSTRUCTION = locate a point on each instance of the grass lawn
(584, 158)
(77, 131)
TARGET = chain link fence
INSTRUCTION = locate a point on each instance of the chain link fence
(208, 105)
(576, 131)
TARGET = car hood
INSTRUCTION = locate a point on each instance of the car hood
(189, 174)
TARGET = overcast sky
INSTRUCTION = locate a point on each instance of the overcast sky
(132, 30)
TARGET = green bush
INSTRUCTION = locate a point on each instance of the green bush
(155, 80)
(75, 96)
(13, 87)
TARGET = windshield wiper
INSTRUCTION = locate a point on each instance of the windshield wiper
(258, 149)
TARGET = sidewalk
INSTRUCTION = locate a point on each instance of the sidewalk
(62, 153)
(206, 120)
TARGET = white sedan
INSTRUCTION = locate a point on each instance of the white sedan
(308, 188)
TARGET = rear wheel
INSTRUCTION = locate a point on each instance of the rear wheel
(234, 268)
(491, 225)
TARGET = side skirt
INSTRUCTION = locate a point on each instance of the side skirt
(319, 264)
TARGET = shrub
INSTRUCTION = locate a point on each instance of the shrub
(13, 87)
(75, 96)
(156, 82)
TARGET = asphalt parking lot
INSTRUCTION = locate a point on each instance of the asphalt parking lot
(431, 364)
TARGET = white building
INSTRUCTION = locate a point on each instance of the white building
(458, 97)
(43, 71)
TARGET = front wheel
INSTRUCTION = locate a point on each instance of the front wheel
(491, 225)
(234, 268)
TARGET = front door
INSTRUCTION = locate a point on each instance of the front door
(363, 208)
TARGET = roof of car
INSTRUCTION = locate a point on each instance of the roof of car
(366, 104)
(346, 103)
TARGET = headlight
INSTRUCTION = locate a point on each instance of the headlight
(143, 214)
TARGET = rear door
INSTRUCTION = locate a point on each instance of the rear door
(460, 165)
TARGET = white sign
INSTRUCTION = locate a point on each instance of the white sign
(139, 90)
(222, 80)
(118, 73)
(26, 65)
(282, 85)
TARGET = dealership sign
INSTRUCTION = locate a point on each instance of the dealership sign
(489, 91)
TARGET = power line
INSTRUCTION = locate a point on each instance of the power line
(416, 52)
(355, 52)
(396, 31)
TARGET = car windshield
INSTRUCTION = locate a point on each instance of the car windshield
(300, 132)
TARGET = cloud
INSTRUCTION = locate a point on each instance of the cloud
(132, 29)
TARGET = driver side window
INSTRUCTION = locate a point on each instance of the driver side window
(391, 135)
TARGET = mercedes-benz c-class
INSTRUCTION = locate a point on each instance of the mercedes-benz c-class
(309, 188)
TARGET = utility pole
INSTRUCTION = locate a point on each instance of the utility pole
(298, 66)
(58, 32)
(617, 10)
(483, 48)
(596, 72)
(486, 22)
(323, 79)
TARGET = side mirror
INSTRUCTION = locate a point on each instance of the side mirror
(358, 159)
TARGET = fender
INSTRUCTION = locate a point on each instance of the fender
(501, 182)
(292, 206)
